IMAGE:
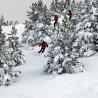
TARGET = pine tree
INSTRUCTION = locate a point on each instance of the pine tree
(39, 20)
(3, 58)
(46, 18)
(7, 70)
(53, 6)
(2, 21)
(15, 47)
(61, 58)
(2, 43)
(62, 5)
(84, 41)
(38, 11)
(78, 11)
(56, 7)
(68, 4)
(95, 25)
(33, 15)
(72, 6)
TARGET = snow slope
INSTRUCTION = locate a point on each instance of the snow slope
(34, 83)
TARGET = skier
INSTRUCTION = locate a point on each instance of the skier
(70, 14)
(55, 20)
(43, 45)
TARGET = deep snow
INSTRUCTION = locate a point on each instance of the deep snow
(34, 83)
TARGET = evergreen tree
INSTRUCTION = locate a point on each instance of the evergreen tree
(72, 6)
(2, 43)
(15, 47)
(62, 5)
(3, 58)
(54, 6)
(46, 18)
(7, 70)
(38, 11)
(88, 5)
(39, 20)
(57, 7)
(2, 21)
(84, 42)
(61, 58)
(67, 4)
(95, 24)
(16, 22)
(79, 9)
(33, 15)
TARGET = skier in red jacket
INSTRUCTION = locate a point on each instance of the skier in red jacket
(43, 46)
(70, 14)
(55, 20)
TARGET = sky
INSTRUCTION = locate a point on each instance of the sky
(16, 9)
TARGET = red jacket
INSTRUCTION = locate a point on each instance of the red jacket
(56, 19)
(43, 44)
(70, 14)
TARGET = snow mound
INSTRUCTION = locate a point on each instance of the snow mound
(88, 53)
(47, 39)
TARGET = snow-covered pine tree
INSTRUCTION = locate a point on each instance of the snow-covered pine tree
(84, 42)
(78, 11)
(30, 24)
(54, 6)
(32, 17)
(95, 24)
(67, 4)
(62, 5)
(8, 73)
(57, 7)
(72, 6)
(2, 21)
(2, 43)
(60, 57)
(43, 12)
(15, 47)
(39, 19)
(16, 22)
(2, 55)
(75, 17)
(46, 17)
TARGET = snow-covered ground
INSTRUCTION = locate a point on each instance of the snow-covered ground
(34, 83)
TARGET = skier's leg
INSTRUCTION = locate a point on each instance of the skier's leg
(54, 24)
(43, 50)
(70, 17)
(40, 51)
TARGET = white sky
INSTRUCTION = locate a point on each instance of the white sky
(16, 9)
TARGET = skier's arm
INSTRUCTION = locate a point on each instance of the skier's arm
(53, 19)
(68, 13)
